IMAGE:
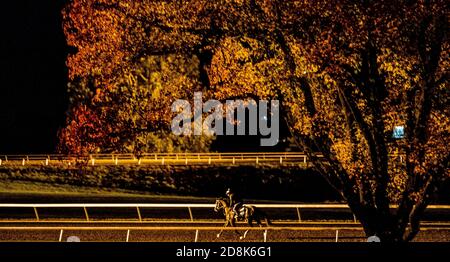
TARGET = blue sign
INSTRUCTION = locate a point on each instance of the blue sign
(399, 132)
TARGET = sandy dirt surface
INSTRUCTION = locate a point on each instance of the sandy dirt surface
(310, 232)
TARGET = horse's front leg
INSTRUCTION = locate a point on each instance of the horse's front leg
(225, 225)
(232, 222)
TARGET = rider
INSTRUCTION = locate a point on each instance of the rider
(235, 202)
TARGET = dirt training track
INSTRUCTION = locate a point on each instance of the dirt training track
(185, 231)
(192, 222)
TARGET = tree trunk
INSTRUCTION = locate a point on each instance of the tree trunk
(383, 227)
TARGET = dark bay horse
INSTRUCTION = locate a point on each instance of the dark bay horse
(251, 214)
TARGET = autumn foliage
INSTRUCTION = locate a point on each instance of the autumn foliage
(346, 73)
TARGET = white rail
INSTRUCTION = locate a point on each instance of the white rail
(138, 206)
(184, 205)
(171, 205)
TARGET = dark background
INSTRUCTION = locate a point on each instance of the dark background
(33, 75)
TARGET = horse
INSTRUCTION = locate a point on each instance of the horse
(251, 213)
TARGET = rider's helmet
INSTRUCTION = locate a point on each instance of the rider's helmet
(228, 192)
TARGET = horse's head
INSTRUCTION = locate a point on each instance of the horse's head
(220, 204)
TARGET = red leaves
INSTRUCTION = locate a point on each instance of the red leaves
(83, 133)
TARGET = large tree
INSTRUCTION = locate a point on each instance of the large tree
(346, 72)
(360, 69)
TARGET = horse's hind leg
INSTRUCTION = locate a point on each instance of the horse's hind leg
(250, 223)
(258, 222)
(245, 234)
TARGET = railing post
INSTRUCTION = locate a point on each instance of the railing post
(234, 161)
(36, 213)
(281, 160)
(299, 216)
(60, 235)
(257, 160)
(86, 213)
(162, 161)
(196, 235)
(209, 161)
(128, 235)
(190, 214)
(139, 214)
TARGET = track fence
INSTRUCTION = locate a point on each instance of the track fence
(86, 207)
(274, 158)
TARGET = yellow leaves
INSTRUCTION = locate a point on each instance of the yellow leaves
(305, 64)
(155, 79)
(329, 81)
(240, 67)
